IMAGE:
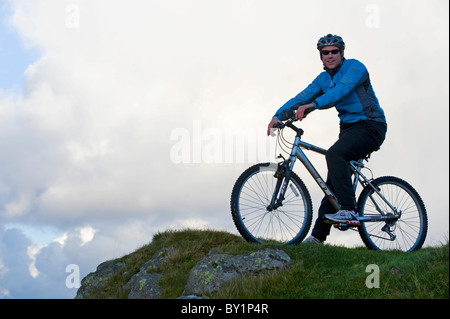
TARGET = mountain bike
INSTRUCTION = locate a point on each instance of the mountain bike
(269, 202)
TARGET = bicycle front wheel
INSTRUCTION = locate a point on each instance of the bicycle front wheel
(409, 230)
(252, 194)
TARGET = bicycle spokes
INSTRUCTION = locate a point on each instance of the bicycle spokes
(258, 219)
(394, 217)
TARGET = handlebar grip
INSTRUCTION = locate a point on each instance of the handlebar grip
(278, 125)
(287, 114)
(307, 111)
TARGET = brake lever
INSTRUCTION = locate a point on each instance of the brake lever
(281, 125)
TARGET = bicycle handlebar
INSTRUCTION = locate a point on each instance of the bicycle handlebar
(290, 114)
(288, 123)
(282, 125)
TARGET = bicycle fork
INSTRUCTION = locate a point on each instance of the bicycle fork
(283, 173)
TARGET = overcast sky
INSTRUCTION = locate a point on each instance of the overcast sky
(119, 119)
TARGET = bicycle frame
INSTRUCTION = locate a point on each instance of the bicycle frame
(355, 166)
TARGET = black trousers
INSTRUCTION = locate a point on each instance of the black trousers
(356, 140)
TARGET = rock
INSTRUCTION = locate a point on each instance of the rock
(144, 284)
(93, 280)
(190, 297)
(207, 276)
(214, 270)
(395, 271)
(158, 259)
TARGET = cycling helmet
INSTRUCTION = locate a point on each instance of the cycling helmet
(329, 40)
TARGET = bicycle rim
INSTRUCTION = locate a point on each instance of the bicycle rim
(409, 230)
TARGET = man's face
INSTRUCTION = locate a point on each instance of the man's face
(332, 60)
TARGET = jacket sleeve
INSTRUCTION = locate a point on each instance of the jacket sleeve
(305, 97)
(355, 74)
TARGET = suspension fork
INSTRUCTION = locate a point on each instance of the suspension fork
(283, 175)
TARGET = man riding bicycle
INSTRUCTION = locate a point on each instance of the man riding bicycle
(345, 84)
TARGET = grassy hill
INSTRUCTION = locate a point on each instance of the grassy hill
(314, 272)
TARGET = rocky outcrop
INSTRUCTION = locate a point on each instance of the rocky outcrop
(144, 284)
(92, 281)
(208, 276)
(213, 271)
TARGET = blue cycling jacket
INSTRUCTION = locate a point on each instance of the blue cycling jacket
(348, 89)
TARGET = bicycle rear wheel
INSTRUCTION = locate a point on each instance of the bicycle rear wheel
(410, 229)
(252, 194)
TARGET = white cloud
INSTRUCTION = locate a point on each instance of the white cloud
(32, 251)
(88, 140)
(18, 207)
(62, 239)
(86, 234)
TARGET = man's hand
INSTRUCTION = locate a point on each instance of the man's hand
(270, 129)
(304, 110)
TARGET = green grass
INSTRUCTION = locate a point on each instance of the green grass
(315, 271)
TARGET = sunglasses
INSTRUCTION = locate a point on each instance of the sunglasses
(326, 52)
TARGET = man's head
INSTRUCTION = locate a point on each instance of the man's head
(331, 48)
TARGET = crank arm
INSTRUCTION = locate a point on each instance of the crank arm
(378, 218)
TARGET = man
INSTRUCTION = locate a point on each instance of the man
(345, 85)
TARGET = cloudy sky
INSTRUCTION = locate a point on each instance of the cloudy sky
(119, 119)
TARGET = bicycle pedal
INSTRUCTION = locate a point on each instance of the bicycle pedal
(341, 226)
(347, 225)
